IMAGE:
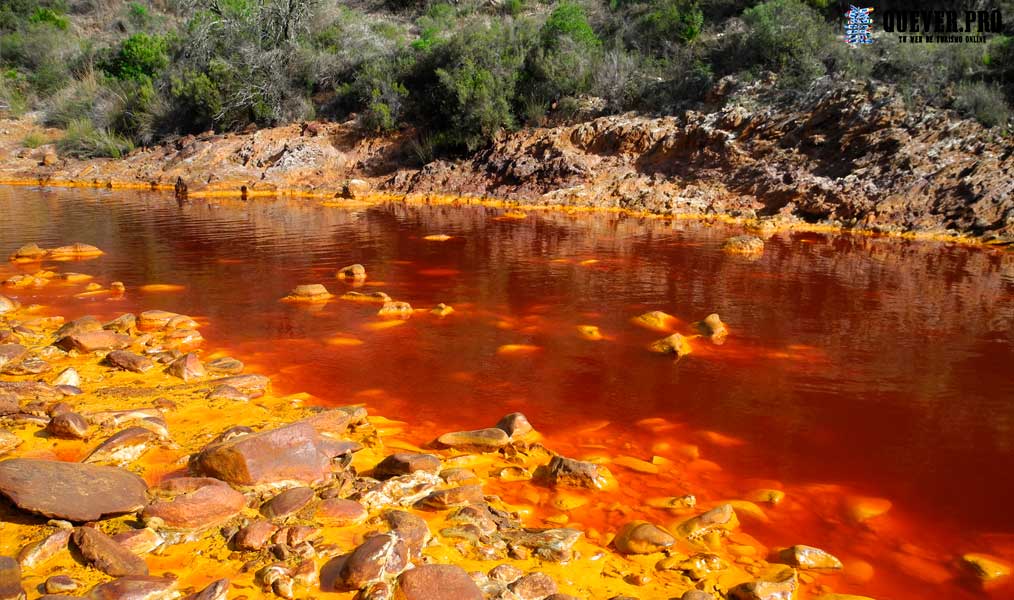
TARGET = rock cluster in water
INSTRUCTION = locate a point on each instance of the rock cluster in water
(134, 465)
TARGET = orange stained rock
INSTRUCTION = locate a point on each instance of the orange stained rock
(590, 332)
(155, 288)
(720, 439)
(381, 325)
(343, 340)
(861, 508)
(437, 237)
(512, 349)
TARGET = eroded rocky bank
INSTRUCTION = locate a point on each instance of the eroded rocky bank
(847, 155)
(138, 463)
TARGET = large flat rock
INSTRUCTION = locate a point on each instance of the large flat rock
(290, 453)
(71, 491)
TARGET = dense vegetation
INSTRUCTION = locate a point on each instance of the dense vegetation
(117, 74)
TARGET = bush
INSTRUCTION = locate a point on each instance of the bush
(49, 17)
(671, 21)
(140, 56)
(984, 102)
(787, 37)
(568, 20)
(381, 96)
(83, 140)
(476, 75)
(34, 139)
(196, 100)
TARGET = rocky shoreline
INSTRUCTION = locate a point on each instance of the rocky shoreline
(848, 155)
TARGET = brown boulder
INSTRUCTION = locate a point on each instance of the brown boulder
(456, 496)
(641, 537)
(194, 503)
(254, 536)
(123, 447)
(288, 453)
(128, 361)
(68, 425)
(412, 529)
(377, 557)
(534, 586)
(403, 463)
(481, 440)
(251, 385)
(94, 341)
(225, 364)
(39, 552)
(11, 354)
(187, 367)
(340, 512)
(10, 580)
(515, 425)
(287, 502)
(85, 492)
(132, 588)
(106, 555)
(356, 272)
(436, 582)
(568, 472)
(78, 326)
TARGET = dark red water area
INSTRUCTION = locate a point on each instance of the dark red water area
(855, 365)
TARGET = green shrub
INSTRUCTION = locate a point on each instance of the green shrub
(476, 75)
(787, 37)
(983, 102)
(569, 20)
(671, 21)
(49, 17)
(34, 139)
(140, 56)
(381, 96)
(197, 100)
(83, 140)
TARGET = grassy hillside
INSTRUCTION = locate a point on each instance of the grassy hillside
(120, 74)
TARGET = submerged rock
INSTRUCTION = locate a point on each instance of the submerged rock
(75, 250)
(480, 440)
(356, 272)
(187, 367)
(7, 305)
(378, 297)
(641, 537)
(568, 472)
(713, 328)
(225, 364)
(674, 344)
(720, 519)
(313, 292)
(395, 309)
(986, 568)
(808, 557)
(657, 320)
(781, 587)
(251, 385)
(85, 492)
(28, 253)
(442, 310)
(743, 244)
